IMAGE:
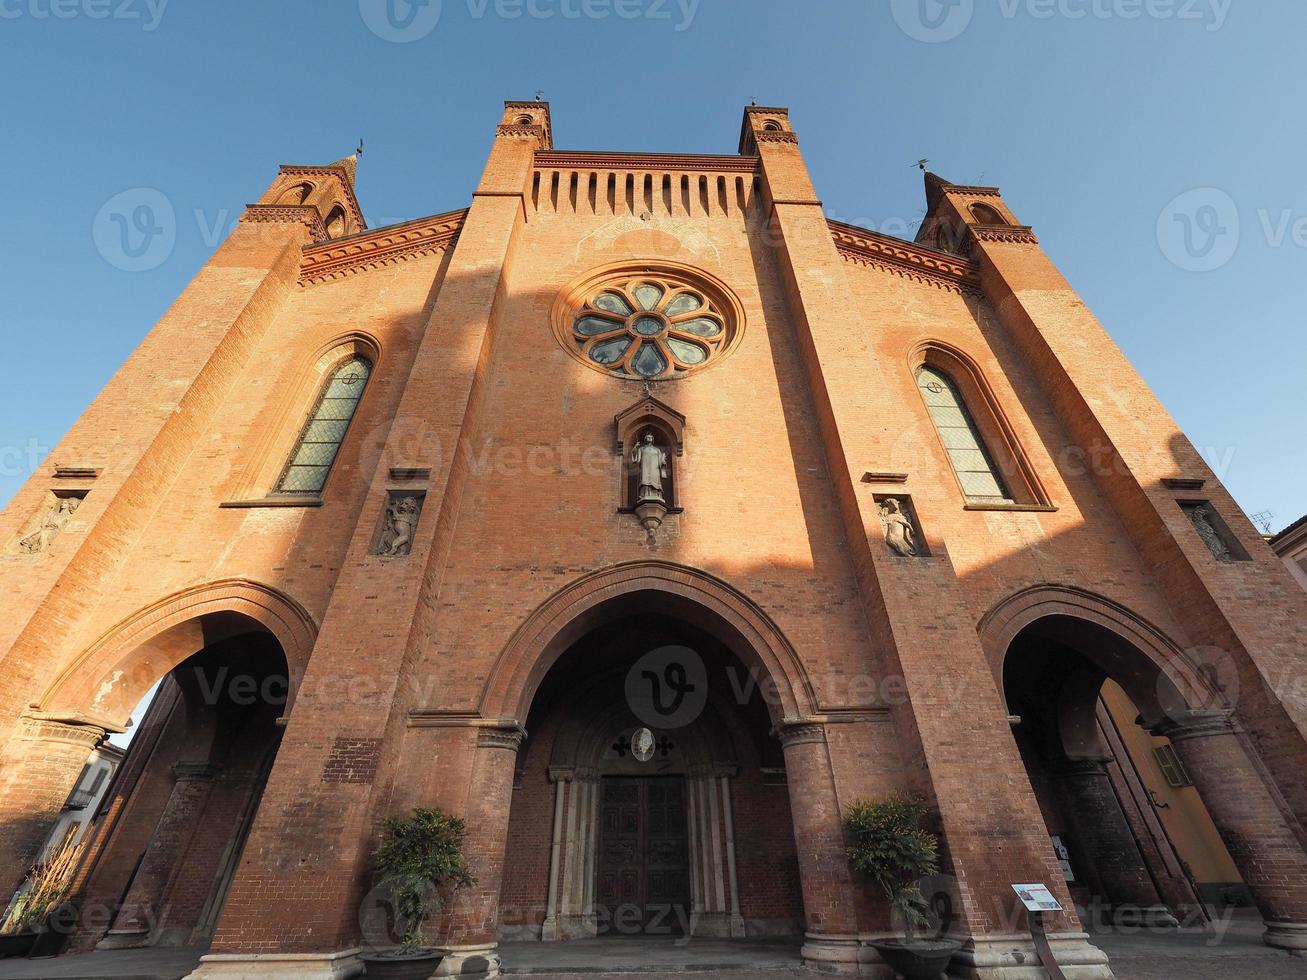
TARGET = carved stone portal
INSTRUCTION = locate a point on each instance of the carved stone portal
(902, 536)
(399, 524)
(38, 540)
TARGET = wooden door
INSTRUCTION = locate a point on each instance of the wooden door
(643, 883)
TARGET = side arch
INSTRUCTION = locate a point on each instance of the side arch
(678, 590)
(104, 682)
(1162, 678)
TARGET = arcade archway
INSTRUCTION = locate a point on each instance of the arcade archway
(212, 670)
(1117, 726)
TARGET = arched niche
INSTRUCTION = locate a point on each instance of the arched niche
(649, 416)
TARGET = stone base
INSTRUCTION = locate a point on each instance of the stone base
(280, 966)
(124, 939)
(469, 962)
(1287, 935)
(1014, 958)
(1152, 917)
(837, 954)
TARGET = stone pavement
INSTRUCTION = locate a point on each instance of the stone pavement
(1183, 955)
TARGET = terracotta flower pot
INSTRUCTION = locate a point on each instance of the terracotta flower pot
(917, 959)
(397, 965)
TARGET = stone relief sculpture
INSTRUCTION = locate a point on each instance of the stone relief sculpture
(653, 470)
(900, 535)
(1201, 517)
(39, 540)
(401, 522)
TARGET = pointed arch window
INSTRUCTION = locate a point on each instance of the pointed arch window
(335, 222)
(981, 480)
(307, 469)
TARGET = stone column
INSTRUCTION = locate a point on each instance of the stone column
(560, 779)
(1105, 837)
(1249, 820)
(737, 920)
(830, 941)
(470, 948)
(39, 768)
(143, 910)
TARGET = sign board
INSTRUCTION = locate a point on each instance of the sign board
(1037, 898)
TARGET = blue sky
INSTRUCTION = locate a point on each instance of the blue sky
(1113, 126)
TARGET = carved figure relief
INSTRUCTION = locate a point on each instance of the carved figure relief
(54, 521)
(1204, 522)
(399, 525)
(900, 534)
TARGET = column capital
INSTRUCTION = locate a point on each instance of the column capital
(1077, 768)
(38, 726)
(1196, 724)
(509, 737)
(195, 771)
(800, 732)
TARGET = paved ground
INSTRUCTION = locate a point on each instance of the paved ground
(1187, 955)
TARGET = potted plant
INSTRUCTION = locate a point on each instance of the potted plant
(888, 844)
(418, 856)
(45, 891)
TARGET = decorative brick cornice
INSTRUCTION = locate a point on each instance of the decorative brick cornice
(694, 162)
(336, 259)
(926, 265)
(520, 131)
(973, 190)
(774, 136)
(1014, 234)
(287, 214)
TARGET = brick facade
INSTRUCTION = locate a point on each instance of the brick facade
(413, 679)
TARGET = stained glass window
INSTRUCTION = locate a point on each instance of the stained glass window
(980, 478)
(306, 472)
(649, 327)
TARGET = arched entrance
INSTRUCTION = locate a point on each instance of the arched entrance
(641, 840)
(748, 750)
(1117, 726)
(212, 672)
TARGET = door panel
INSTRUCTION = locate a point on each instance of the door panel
(643, 882)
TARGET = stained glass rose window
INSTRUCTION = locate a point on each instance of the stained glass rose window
(649, 327)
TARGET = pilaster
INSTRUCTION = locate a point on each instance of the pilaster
(1147, 468)
(922, 629)
(373, 622)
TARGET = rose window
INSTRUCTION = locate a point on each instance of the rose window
(649, 327)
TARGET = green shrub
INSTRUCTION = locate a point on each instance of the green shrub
(889, 845)
(419, 855)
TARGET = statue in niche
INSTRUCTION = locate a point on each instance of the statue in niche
(1201, 516)
(401, 522)
(59, 515)
(900, 535)
(653, 470)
